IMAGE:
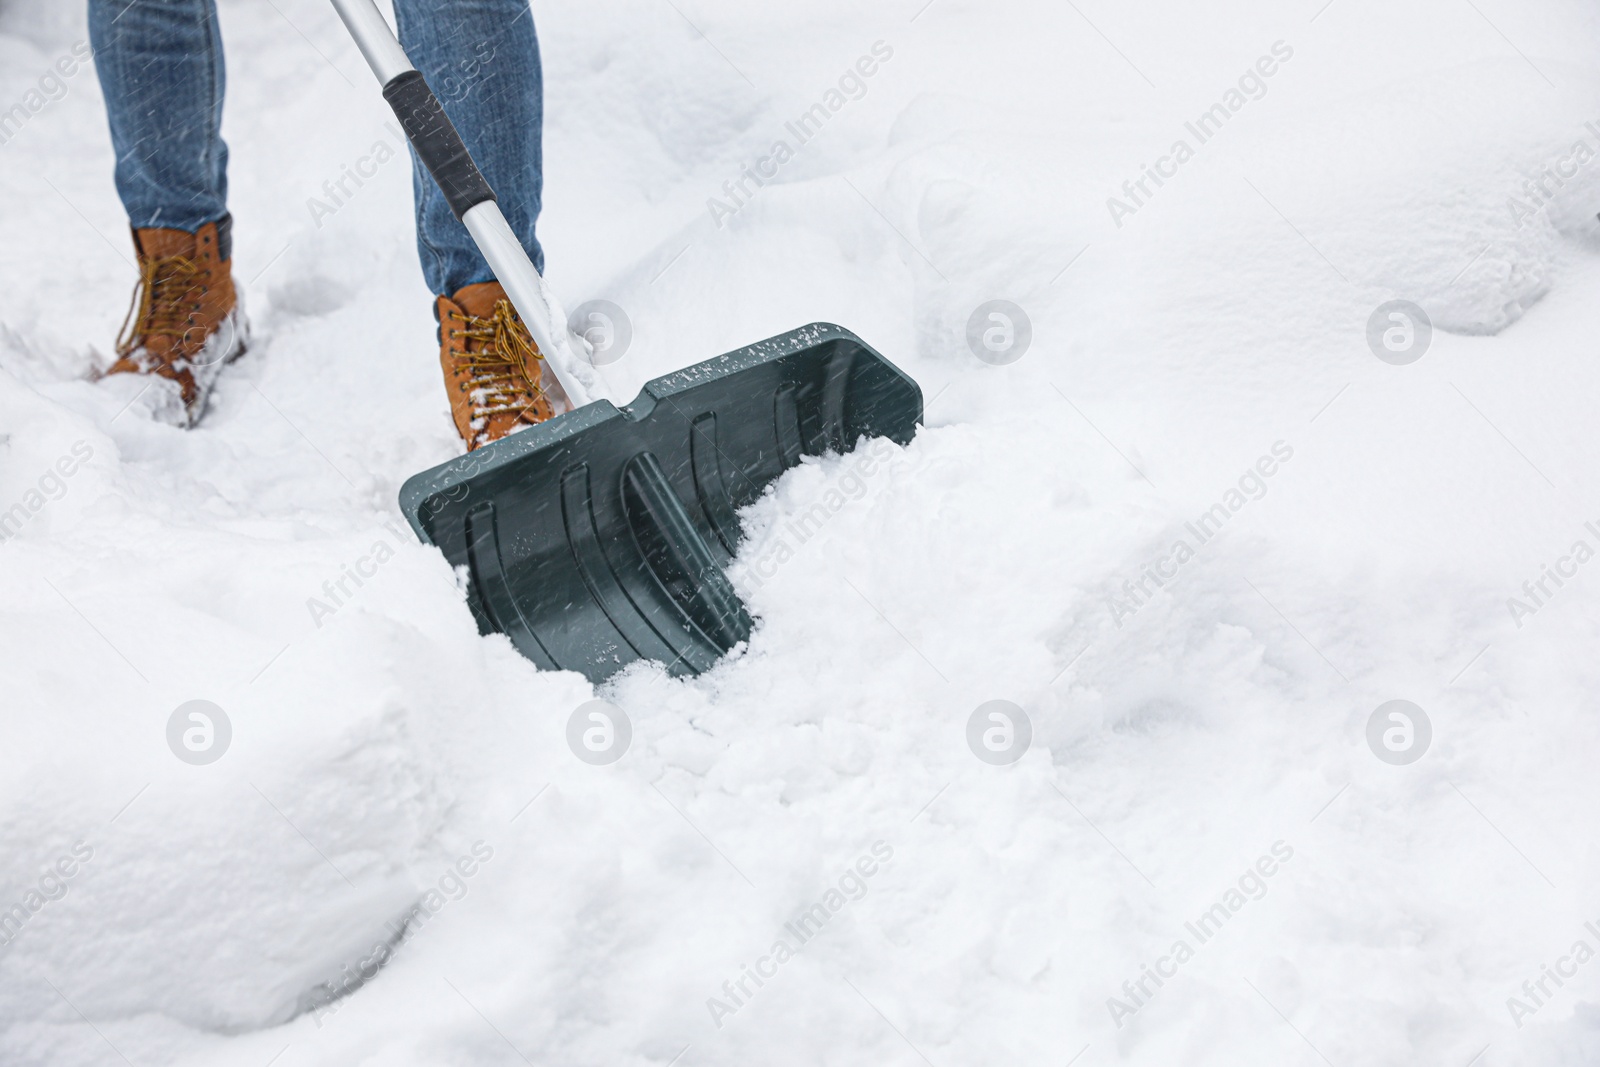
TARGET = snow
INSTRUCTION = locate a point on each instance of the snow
(381, 748)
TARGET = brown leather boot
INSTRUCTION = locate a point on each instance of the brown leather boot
(185, 323)
(497, 378)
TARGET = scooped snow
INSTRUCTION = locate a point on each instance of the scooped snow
(399, 861)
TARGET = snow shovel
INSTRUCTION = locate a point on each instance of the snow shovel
(600, 536)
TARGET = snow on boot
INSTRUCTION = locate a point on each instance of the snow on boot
(185, 322)
(497, 378)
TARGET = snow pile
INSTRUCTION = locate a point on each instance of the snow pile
(399, 860)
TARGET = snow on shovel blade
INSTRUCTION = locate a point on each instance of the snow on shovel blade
(601, 536)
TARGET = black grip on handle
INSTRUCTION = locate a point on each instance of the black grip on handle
(436, 141)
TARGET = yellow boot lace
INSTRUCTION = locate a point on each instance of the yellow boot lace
(163, 301)
(505, 371)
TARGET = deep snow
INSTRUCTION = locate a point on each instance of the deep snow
(379, 757)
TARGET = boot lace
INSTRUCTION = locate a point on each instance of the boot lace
(163, 301)
(504, 369)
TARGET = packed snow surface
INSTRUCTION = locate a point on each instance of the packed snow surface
(1199, 859)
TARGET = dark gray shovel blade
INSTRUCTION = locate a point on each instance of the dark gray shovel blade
(601, 536)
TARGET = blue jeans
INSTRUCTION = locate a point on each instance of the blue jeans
(161, 70)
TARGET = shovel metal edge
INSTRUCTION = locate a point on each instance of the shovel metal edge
(453, 475)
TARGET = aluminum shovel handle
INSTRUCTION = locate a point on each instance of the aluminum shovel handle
(440, 148)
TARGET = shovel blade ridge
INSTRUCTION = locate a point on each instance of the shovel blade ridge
(602, 536)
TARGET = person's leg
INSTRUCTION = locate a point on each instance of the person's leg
(481, 58)
(160, 68)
